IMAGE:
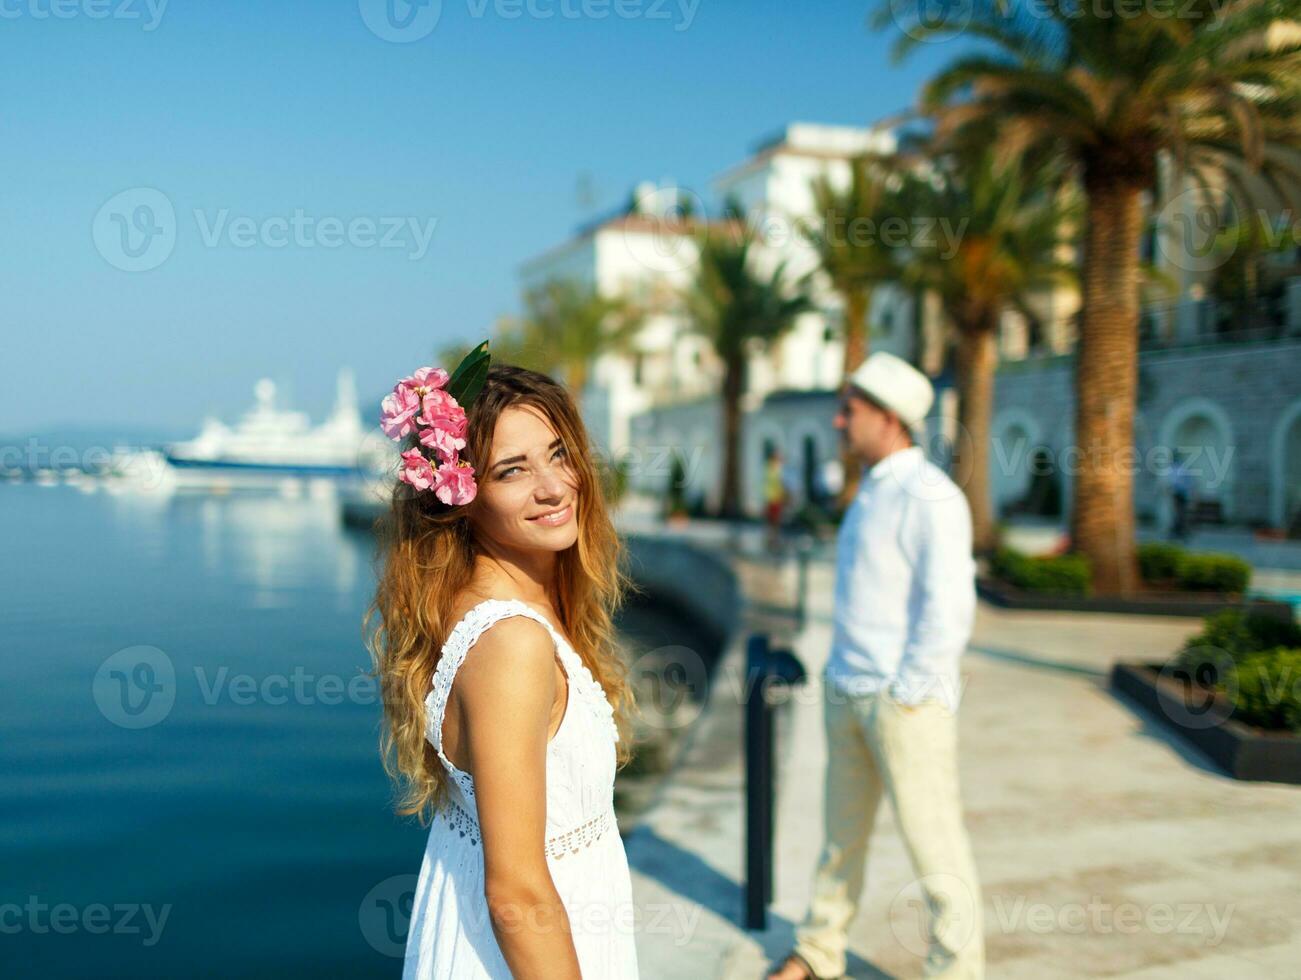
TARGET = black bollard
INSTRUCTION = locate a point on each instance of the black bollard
(765, 669)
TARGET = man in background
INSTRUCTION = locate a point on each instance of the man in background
(1181, 493)
(904, 605)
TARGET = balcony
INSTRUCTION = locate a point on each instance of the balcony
(1211, 321)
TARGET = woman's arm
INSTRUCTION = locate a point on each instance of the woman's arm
(506, 690)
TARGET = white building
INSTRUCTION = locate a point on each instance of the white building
(661, 398)
(651, 256)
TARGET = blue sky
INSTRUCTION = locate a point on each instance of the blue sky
(241, 112)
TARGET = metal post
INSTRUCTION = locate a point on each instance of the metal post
(758, 786)
(765, 669)
(802, 586)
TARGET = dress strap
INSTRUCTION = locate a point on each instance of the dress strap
(464, 635)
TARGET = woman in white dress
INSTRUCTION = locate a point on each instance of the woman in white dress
(504, 692)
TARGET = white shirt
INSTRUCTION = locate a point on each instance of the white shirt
(905, 584)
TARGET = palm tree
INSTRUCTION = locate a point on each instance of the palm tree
(508, 343)
(566, 325)
(855, 260)
(1213, 85)
(853, 257)
(740, 312)
(1006, 223)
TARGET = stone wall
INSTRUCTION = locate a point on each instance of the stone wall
(1232, 410)
(688, 576)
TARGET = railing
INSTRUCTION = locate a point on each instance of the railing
(1195, 323)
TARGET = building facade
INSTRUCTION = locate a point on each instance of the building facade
(1225, 396)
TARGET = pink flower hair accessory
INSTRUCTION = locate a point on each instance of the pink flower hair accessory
(431, 404)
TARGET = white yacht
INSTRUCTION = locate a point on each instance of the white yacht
(274, 445)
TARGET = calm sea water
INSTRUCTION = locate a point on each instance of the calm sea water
(189, 783)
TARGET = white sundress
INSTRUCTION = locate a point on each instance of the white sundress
(451, 933)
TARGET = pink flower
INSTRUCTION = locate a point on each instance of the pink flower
(419, 402)
(416, 470)
(438, 408)
(397, 410)
(454, 483)
(425, 380)
(443, 441)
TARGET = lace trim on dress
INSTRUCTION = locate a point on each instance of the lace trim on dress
(460, 820)
(570, 842)
(584, 835)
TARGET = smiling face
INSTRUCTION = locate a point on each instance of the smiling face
(528, 491)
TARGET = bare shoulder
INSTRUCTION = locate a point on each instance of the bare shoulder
(512, 658)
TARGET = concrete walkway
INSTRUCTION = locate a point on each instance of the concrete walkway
(1105, 848)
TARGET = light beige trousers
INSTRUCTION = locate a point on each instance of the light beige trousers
(876, 746)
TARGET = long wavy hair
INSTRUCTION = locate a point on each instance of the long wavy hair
(426, 559)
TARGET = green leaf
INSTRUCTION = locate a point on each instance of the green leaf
(468, 379)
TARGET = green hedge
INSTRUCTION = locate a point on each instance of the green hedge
(1256, 659)
(1269, 689)
(1214, 573)
(1159, 562)
(1169, 564)
(1236, 634)
(1054, 574)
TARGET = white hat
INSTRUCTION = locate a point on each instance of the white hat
(895, 384)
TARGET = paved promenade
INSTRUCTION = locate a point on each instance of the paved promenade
(1104, 847)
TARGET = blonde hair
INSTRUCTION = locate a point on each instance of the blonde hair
(426, 558)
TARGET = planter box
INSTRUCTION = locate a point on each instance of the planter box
(1146, 604)
(1243, 751)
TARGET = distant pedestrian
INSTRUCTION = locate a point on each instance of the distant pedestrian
(904, 604)
(1180, 481)
(774, 497)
